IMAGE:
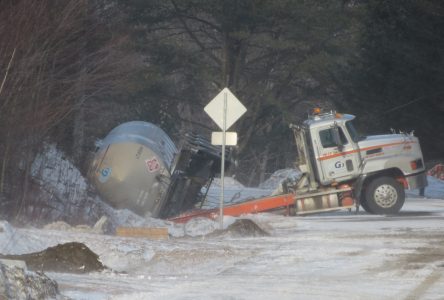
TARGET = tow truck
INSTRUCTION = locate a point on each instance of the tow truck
(341, 169)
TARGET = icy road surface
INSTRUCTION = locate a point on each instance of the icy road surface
(339, 255)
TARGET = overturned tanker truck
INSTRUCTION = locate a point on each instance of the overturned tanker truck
(137, 166)
(340, 169)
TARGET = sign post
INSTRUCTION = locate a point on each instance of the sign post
(222, 165)
(225, 109)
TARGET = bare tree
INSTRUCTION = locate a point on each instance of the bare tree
(54, 56)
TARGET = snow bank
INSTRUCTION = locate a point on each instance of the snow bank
(58, 174)
(13, 242)
(278, 177)
(234, 192)
(63, 194)
(435, 189)
(15, 283)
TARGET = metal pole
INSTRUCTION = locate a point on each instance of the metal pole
(222, 170)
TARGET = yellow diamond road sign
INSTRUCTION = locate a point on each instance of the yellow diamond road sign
(215, 109)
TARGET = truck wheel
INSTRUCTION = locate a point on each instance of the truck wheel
(384, 195)
(364, 205)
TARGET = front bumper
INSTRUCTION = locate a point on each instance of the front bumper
(417, 181)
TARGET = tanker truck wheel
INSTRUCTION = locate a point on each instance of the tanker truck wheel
(384, 196)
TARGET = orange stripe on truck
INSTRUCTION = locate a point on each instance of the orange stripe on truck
(330, 156)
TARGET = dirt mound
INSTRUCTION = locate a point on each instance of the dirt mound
(242, 228)
(65, 258)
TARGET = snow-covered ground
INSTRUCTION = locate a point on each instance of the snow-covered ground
(340, 255)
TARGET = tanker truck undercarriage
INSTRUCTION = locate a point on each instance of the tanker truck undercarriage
(197, 164)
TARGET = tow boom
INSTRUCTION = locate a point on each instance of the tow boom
(290, 204)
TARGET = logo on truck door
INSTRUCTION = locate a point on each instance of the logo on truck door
(339, 165)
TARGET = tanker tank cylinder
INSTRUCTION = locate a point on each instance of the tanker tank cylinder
(132, 167)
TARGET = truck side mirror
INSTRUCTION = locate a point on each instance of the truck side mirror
(337, 137)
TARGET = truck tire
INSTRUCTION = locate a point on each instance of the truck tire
(364, 205)
(384, 195)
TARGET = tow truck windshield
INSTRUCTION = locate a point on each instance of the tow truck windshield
(353, 132)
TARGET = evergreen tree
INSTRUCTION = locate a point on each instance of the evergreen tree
(397, 78)
(274, 55)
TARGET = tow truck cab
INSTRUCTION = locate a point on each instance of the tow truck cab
(378, 167)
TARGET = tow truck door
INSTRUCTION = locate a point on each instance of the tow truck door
(337, 157)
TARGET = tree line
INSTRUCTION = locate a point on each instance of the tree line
(72, 70)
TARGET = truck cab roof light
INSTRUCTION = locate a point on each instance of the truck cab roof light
(316, 111)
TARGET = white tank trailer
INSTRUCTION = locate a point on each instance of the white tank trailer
(137, 166)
